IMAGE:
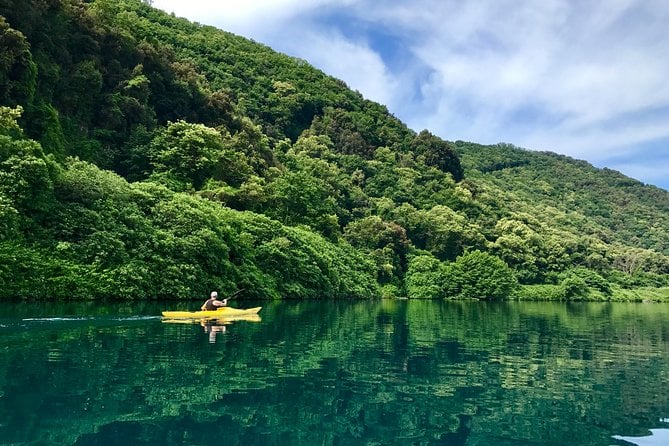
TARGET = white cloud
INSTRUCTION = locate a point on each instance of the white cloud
(572, 77)
(360, 67)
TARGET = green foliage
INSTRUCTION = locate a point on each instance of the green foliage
(591, 279)
(17, 69)
(480, 275)
(254, 169)
(8, 118)
(300, 198)
(474, 275)
(385, 242)
(641, 294)
(438, 153)
(344, 131)
(110, 238)
(194, 153)
(440, 230)
(543, 292)
(529, 246)
(425, 278)
(9, 218)
(25, 173)
(575, 287)
(571, 197)
(575, 284)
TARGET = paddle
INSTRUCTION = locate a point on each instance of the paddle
(235, 294)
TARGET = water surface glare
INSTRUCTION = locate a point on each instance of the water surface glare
(336, 373)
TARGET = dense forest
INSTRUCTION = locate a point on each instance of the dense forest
(144, 156)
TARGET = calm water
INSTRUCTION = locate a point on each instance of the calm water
(337, 373)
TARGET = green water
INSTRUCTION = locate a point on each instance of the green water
(336, 373)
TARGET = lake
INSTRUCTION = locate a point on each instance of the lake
(390, 372)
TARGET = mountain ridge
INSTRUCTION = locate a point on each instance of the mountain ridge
(201, 122)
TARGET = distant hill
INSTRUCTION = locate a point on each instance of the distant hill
(144, 156)
(624, 209)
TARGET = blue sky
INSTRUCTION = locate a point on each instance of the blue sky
(584, 78)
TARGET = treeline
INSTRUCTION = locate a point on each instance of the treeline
(142, 156)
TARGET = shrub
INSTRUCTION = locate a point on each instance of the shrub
(540, 292)
(425, 278)
(483, 276)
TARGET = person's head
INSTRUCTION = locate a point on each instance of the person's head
(214, 294)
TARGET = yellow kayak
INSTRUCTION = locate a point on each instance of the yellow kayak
(221, 313)
(216, 320)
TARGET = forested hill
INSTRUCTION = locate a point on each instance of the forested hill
(614, 206)
(144, 156)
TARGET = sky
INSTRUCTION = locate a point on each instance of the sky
(584, 78)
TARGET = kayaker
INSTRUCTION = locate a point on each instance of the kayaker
(213, 303)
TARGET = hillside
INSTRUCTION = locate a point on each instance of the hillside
(144, 156)
(623, 209)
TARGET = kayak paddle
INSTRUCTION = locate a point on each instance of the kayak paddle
(237, 293)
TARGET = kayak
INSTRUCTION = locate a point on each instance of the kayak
(223, 312)
(216, 320)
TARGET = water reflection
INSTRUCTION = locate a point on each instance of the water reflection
(354, 373)
(213, 329)
(213, 326)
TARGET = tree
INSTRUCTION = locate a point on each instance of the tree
(300, 198)
(193, 153)
(437, 153)
(440, 230)
(18, 72)
(425, 278)
(385, 241)
(344, 131)
(8, 121)
(26, 175)
(482, 276)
